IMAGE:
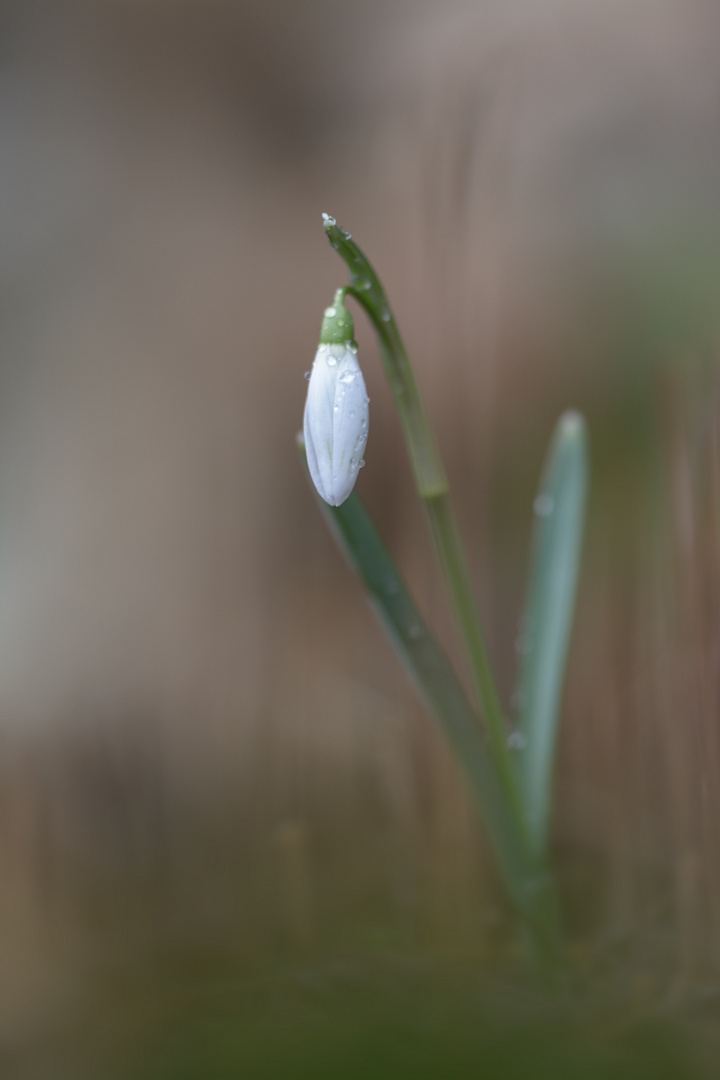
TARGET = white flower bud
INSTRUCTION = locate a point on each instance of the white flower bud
(336, 420)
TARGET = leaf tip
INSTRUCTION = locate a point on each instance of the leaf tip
(572, 423)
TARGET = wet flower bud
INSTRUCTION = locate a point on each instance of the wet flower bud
(336, 409)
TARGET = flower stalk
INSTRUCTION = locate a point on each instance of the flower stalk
(433, 489)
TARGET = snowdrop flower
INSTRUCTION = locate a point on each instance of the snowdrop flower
(336, 409)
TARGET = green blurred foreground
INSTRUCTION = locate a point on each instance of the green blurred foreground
(356, 1017)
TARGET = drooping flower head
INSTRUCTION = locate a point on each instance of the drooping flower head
(336, 410)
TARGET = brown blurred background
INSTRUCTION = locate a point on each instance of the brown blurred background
(210, 761)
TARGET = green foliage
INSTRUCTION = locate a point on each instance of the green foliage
(546, 623)
(514, 801)
(432, 673)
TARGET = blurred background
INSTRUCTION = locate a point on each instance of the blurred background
(231, 842)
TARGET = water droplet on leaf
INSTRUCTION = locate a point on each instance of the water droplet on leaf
(543, 505)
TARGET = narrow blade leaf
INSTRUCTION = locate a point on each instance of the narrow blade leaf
(545, 632)
(528, 882)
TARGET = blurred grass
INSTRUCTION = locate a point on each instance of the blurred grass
(363, 1023)
(359, 1015)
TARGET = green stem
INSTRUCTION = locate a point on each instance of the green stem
(433, 489)
(367, 290)
(449, 547)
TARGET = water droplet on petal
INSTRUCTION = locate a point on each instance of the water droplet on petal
(331, 361)
(362, 463)
(308, 374)
(347, 377)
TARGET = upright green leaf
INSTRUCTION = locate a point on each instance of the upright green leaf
(545, 629)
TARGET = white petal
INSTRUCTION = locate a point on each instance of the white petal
(318, 427)
(336, 422)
